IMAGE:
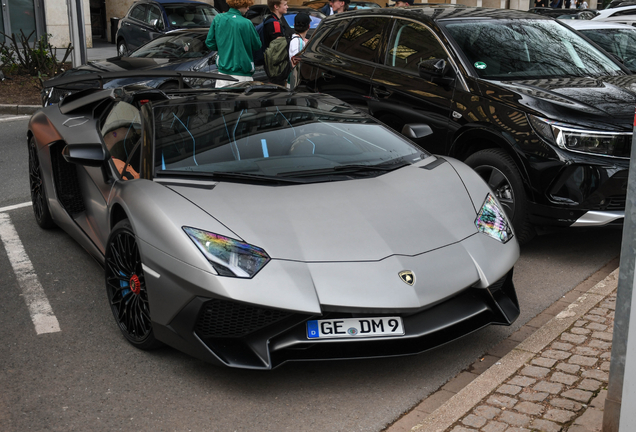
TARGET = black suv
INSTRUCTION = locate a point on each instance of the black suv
(541, 114)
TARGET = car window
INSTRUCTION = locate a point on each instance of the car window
(154, 17)
(138, 12)
(121, 132)
(620, 42)
(361, 38)
(333, 34)
(510, 49)
(410, 44)
(624, 13)
(190, 15)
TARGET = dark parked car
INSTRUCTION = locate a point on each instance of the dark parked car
(180, 50)
(147, 19)
(539, 112)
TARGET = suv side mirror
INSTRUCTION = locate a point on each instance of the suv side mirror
(156, 24)
(416, 130)
(436, 71)
(92, 154)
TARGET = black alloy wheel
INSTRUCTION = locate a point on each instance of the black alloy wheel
(38, 194)
(126, 287)
(500, 172)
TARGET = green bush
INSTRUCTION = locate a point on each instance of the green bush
(37, 58)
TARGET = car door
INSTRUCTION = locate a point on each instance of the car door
(400, 95)
(349, 55)
(132, 26)
(121, 134)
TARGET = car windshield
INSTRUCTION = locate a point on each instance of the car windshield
(288, 137)
(172, 46)
(620, 42)
(189, 15)
(513, 49)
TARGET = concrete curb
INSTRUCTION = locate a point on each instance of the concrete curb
(18, 109)
(466, 399)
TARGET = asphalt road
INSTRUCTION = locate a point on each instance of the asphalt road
(86, 377)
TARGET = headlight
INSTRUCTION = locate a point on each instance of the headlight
(616, 144)
(492, 220)
(229, 257)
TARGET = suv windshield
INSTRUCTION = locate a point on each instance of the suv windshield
(287, 137)
(513, 49)
(184, 45)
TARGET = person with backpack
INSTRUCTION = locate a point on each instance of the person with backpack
(234, 38)
(302, 21)
(275, 36)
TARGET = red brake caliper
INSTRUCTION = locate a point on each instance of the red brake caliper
(135, 285)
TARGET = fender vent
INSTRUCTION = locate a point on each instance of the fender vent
(66, 183)
(222, 318)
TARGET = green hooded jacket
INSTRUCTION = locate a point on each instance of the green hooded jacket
(235, 39)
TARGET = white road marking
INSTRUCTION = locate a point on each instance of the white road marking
(20, 117)
(32, 291)
(13, 207)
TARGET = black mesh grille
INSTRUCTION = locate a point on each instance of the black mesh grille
(221, 318)
(66, 183)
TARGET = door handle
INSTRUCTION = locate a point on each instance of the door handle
(127, 24)
(144, 30)
(327, 76)
(381, 93)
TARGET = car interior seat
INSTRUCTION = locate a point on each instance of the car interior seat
(188, 19)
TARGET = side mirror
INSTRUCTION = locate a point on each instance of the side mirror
(85, 154)
(416, 130)
(436, 71)
(156, 24)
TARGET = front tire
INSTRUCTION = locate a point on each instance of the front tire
(498, 169)
(38, 194)
(126, 287)
(122, 48)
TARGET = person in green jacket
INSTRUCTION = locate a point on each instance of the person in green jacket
(235, 39)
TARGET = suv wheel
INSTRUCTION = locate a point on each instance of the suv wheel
(498, 169)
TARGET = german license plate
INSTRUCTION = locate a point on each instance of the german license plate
(354, 327)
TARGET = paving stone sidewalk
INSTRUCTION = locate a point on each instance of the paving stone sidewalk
(554, 381)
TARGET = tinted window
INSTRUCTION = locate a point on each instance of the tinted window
(510, 49)
(625, 13)
(121, 132)
(138, 13)
(333, 34)
(362, 37)
(410, 44)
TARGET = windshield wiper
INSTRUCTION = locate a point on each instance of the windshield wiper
(228, 175)
(344, 169)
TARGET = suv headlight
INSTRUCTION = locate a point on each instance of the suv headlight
(228, 256)
(492, 221)
(567, 137)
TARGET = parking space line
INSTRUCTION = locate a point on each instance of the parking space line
(38, 304)
(13, 207)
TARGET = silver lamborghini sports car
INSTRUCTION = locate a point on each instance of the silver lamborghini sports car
(250, 226)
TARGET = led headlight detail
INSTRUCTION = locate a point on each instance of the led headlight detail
(616, 144)
(228, 256)
(491, 220)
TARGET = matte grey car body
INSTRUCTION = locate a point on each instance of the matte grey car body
(312, 229)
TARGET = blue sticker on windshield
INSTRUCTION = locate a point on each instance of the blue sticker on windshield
(480, 65)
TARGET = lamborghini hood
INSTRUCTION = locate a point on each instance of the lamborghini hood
(405, 212)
